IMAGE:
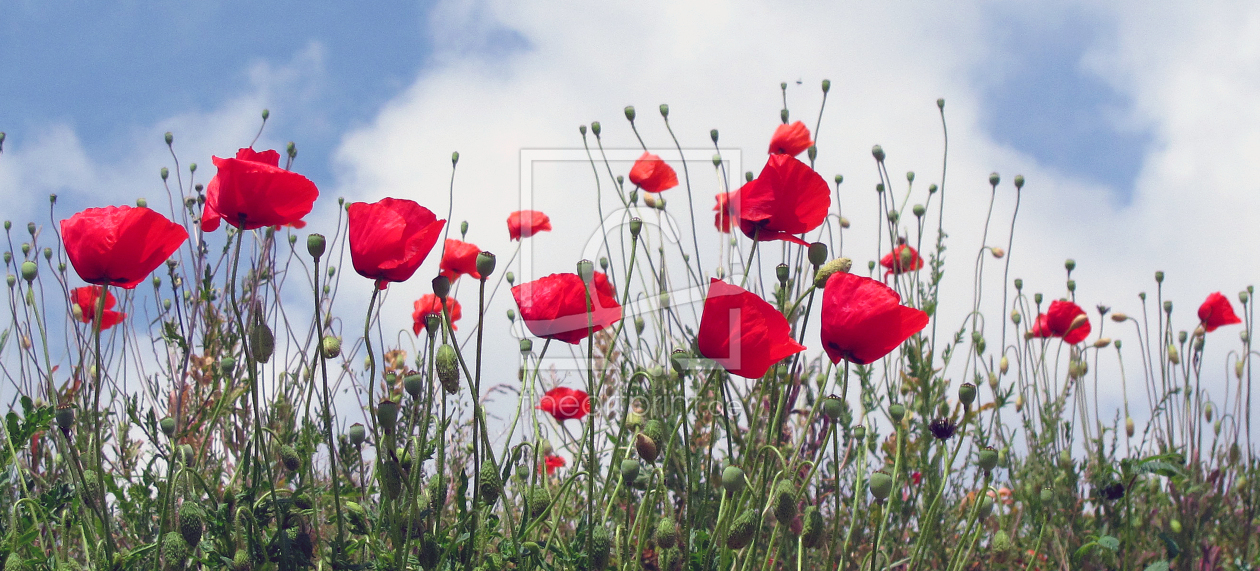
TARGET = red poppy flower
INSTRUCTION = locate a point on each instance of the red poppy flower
(565, 403)
(1057, 321)
(916, 477)
(552, 461)
(459, 258)
(790, 139)
(902, 259)
(863, 320)
(787, 198)
(430, 304)
(119, 245)
(555, 307)
(526, 223)
(1216, 311)
(252, 191)
(742, 332)
(725, 212)
(652, 174)
(87, 298)
(391, 238)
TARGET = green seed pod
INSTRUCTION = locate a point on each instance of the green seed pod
(174, 550)
(881, 485)
(967, 394)
(315, 244)
(878, 152)
(817, 254)
(601, 548)
(833, 407)
(666, 533)
(836, 266)
(289, 457)
(782, 272)
(485, 264)
(358, 434)
(784, 502)
(29, 270)
(629, 470)
(491, 485)
(733, 480)
(167, 425)
(390, 475)
(742, 531)
(191, 523)
(859, 433)
(448, 368)
(988, 458)
(526, 346)
(896, 412)
(813, 527)
(537, 500)
(986, 506)
(919, 210)
(387, 415)
(241, 561)
(630, 113)
(65, 417)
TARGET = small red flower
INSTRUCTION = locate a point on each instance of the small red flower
(391, 238)
(1216, 311)
(790, 139)
(916, 477)
(526, 223)
(430, 304)
(902, 259)
(1057, 321)
(555, 307)
(551, 462)
(787, 198)
(863, 320)
(742, 332)
(252, 191)
(725, 212)
(459, 258)
(119, 245)
(652, 174)
(87, 298)
(565, 403)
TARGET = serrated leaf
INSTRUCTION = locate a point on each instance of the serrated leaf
(1109, 542)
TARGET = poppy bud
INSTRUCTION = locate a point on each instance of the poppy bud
(167, 425)
(1238, 369)
(414, 385)
(11, 280)
(358, 434)
(784, 502)
(595, 128)
(817, 254)
(733, 480)
(742, 531)
(1207, 412)
(993, 381)
(748, 176)
(783, 114)
(812, 153)
(665, 110)
(289, 458)
(463, 229)
(1019, 402)
(878, 152)
(454, 158)
(537, 500)
(907, 256)
(986, 506)
(261, 341)
(666, 534)
(315, 244)
(1244, 336)
(838, 265)
(387, 415)
(1128, 426)
(485, 264)
(988, 459)
(448, 367)
(1173, 357)
(879, 188)
(174, 547)
(638, 325)
(441, 286)
(491, 486)
(331, 346)
(832, 407)
(332, 271)
(192, 167)
(881, 485)
(1003, 365)
(29, 270)
(994, 179)
(1071, 285)
(967, 394)
(782, 272)
(65, 417)
(859, 433)
(630, 113)
(169, 138)
(997, 252)
(629, 470)
(919, 210)
(896, 412)
(191, 522)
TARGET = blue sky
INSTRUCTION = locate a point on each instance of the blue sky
(106, 68)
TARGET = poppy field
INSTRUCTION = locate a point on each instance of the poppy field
(190, 392)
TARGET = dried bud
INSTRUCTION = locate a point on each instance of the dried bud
(997, 252)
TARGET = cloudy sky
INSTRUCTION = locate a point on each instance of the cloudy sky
(1136, 124)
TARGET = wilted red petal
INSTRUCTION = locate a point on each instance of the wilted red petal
(119, 245)
(459, 258)
(742, 332)
(1059, 319)
(430, 304)
(555, 307)
(902, 259)
(252, 191)
(526, 223)
(565, 403)
(1217, 311)
(652, 174)
(725, 211)
(788, 198)
(790, 139)
(391, 238)
(863, 320)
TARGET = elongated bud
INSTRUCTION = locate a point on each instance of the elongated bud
(1003, 365)
(1102, 342)
(881, 485)
(262, 342)
(1173, 356)
(447, 364)
(785, 502)
(289, 458)
(713, 134)
(646, 447)
(463, 228)
(838, 265)
(1080, 321)
(387, 415)
(997, 252)
(742, 531)
(1119, 317)
(986, 506)
(783, 115)
(1128, 426)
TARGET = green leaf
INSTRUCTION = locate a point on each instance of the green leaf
(1157, 566)
(1109, 542)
